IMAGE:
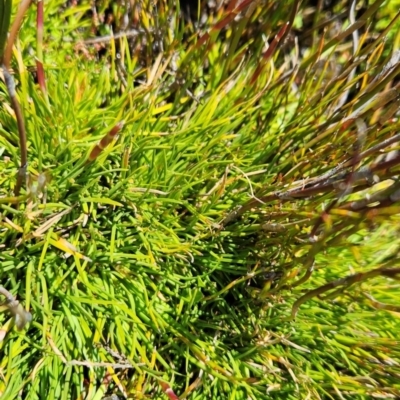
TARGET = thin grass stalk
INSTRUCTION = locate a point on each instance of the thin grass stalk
(39, 47)
(345, 283)
(238, 29)
(357, 25)
(21, 130)
(23, 7)
(324, 183)
(231, 12)
(13, 96)
(5, 16)
(270, 51)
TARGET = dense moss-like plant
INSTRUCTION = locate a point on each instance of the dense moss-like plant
(211, 201)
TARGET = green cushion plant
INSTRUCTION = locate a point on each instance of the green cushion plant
(209, 207)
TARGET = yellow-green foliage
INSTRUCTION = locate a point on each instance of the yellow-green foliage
(240, 180)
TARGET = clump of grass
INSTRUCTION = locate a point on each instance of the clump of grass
(167, 255)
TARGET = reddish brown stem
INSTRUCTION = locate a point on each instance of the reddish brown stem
(269, 53)
(344, 282)
(105, 141)
(323, 184)
(14, 31)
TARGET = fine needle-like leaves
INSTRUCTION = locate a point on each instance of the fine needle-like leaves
(255, 179)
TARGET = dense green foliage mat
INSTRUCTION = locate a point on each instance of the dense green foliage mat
(211, 202)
